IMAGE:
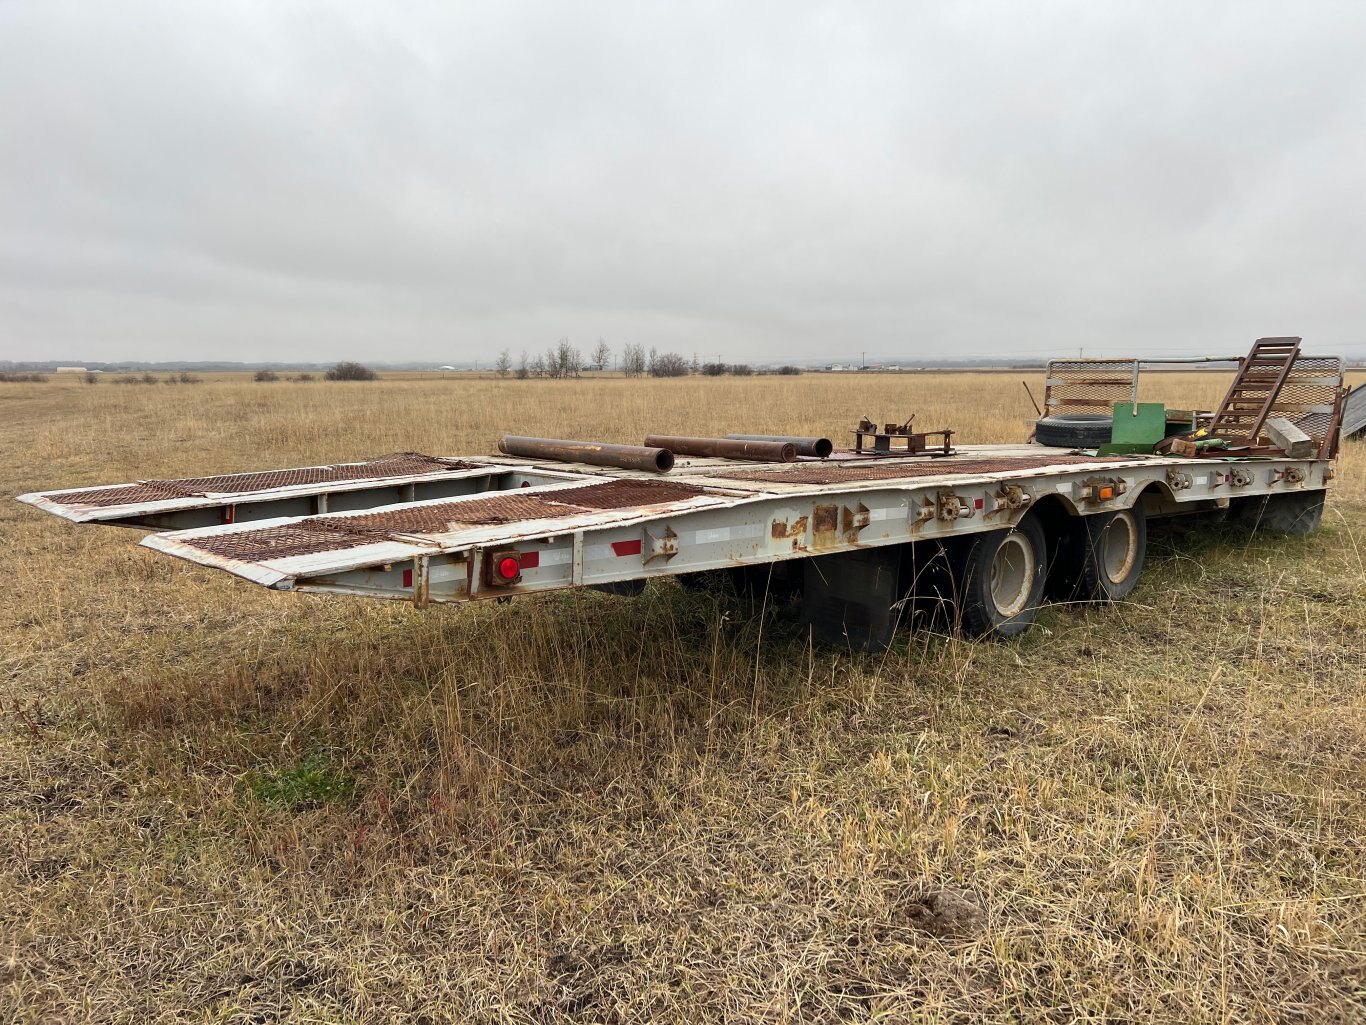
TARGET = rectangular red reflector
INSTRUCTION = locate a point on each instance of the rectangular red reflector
(626, 547)
(977, 503)
(529, 560)
(407, 578)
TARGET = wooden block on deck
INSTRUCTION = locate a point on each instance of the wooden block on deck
(1287, 436)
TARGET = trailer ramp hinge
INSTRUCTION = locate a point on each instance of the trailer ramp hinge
(1287, 475)
(1009, 498)
(948, 507)
(1178, 481)
(665, 546)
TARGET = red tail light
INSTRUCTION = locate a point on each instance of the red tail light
(509, 568)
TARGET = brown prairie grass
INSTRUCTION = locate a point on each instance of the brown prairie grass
(224, 805)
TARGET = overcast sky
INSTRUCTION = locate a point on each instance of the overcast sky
(438, 181)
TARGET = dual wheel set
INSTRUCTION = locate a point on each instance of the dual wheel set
(993, 583)
(989, 584)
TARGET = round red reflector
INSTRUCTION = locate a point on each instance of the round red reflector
(508, 568)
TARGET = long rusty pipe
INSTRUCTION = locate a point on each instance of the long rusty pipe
(817, 447)
(727, 448)
(595, 453)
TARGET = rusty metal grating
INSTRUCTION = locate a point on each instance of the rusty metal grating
(333, 533)
(619, 494)
(399, 464)
(507, 507)
(926, 468)
(283, 542)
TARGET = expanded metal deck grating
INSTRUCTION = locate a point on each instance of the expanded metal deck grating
(400, 464)
(333, 533)
(826, 474)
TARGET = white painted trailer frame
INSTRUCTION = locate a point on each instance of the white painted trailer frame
(409, 535)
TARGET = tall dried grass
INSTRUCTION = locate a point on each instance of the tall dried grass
(226, 805)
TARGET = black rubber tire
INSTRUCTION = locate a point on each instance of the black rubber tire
(1078, 431)
(1095, 567)
(979, 613)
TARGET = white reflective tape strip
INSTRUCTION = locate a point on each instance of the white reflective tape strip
(707, 537)
(556, 557)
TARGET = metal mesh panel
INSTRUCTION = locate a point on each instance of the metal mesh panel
(620, 494)
(334, 533)
(282, 542)
(400, 464)
(1088, 385)
(827, 474)
(441, 517)
(1310, 397)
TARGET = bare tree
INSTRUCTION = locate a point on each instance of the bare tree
(503, 365)
(568, 359)
(602, 355)
(522, 372)
(633, 361)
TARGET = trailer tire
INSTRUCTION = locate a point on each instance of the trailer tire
(1001, 580)
(1110, 551)
(1080, 430)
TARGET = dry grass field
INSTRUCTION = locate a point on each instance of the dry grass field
(221, 804)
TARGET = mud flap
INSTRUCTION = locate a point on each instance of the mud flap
(850, 599)
(1296, 512)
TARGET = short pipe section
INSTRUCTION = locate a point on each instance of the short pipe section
(594, 453)
(727, 448)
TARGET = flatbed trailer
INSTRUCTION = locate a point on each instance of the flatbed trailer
(991, 528)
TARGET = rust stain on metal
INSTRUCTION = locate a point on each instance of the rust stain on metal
(399, 464)
(781, 529)
(891, 471)
(825, 521)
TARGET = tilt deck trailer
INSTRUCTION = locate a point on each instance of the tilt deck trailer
(990, 528)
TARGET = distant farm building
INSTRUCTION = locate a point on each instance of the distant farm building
(72, 370)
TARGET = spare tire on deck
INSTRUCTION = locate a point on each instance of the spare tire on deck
(1080, 430)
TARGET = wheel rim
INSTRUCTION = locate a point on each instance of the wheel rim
(1119, 547)
(1012, 574)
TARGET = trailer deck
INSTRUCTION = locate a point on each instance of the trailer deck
(427, 533)
(1006, 518)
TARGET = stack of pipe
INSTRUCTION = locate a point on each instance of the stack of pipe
(657, 454)
(819, 448)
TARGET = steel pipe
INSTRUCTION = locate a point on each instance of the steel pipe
(727, 448)
(817, 447)
(595, 453)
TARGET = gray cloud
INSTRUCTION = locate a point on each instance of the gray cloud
(317, 181)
